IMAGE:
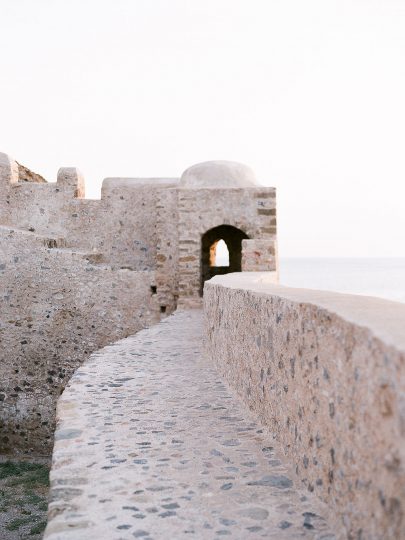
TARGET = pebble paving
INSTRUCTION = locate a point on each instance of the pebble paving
(153, 445)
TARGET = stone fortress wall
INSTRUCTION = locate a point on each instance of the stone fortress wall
(77, 274)
(57, 306)
(325, 372)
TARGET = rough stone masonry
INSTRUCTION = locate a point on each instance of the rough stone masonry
(325, 372)
(77, 274)
(322, 372)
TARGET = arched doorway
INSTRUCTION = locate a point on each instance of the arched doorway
(212, 264)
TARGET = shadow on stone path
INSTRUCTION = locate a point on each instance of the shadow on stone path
(151, 444)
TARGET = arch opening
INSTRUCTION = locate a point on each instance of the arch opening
(221, 252)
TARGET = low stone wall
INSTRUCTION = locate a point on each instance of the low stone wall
(326, 373)
(57, 305)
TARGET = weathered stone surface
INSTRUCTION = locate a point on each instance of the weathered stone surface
(259, 255)
(325, 373)
(57, 306)
(164, 450)
(77, 274)
(202, 210)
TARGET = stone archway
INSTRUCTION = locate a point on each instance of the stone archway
(232, 237)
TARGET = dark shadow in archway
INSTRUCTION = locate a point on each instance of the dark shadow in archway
(233, 239)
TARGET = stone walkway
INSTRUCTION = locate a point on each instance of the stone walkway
(151, 444)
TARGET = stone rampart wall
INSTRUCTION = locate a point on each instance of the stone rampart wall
(121, 225)
(326, 373)
(57, 305)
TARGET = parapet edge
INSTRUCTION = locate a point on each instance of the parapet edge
(385, 318)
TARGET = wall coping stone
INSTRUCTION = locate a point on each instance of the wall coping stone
(385, 318)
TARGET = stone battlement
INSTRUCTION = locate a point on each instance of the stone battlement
(78, 274)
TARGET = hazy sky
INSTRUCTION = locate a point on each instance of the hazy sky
(310, 94)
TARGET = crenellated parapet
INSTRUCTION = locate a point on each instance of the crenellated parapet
(72, 269)
(154, 224)
(71, 178)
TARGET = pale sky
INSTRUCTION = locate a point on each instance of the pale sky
(309, 93)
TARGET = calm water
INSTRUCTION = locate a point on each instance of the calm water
(372, 277)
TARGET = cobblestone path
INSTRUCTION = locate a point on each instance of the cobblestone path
(154, 445)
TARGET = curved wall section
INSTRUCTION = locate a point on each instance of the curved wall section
(326, 373)
(57, 305)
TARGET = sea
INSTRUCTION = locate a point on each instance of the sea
(381, 277)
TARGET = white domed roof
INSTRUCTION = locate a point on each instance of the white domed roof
(218, 174)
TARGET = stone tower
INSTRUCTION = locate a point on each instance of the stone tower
(215, 200)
